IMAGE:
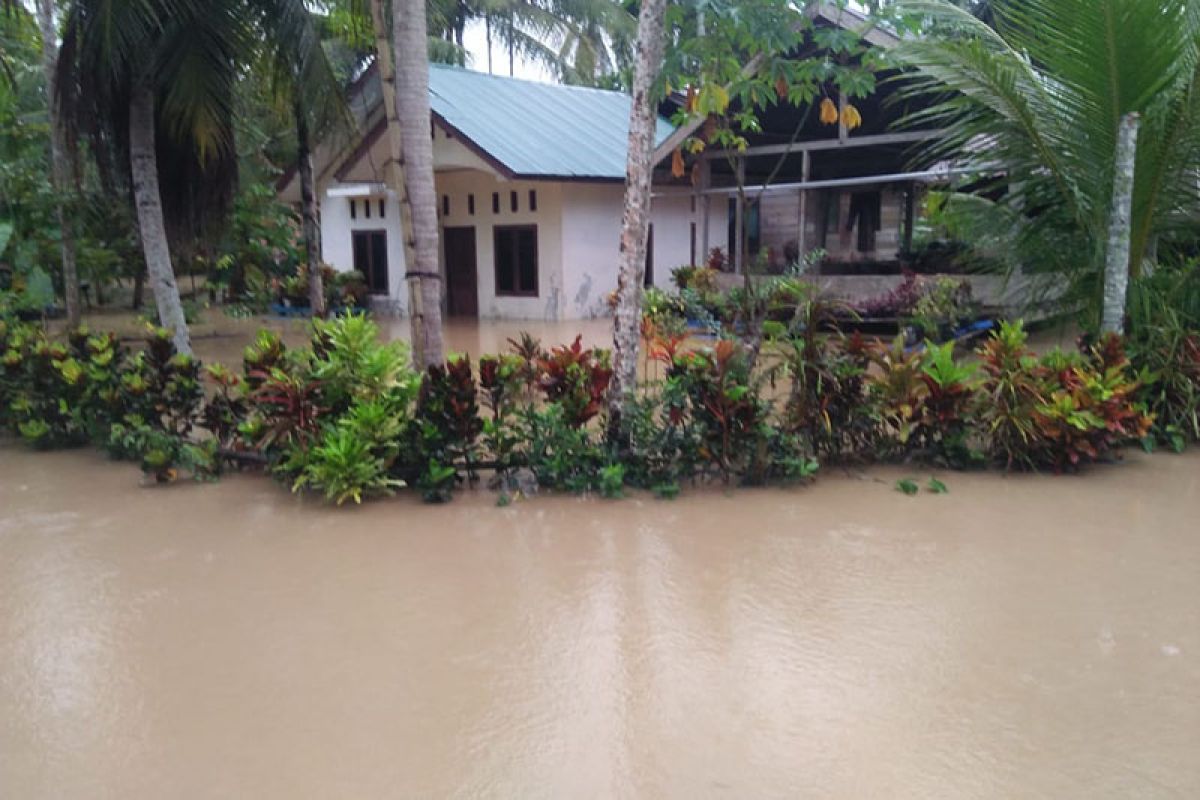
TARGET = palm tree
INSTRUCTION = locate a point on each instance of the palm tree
(410, 44)
(635, 222)
(62, 158)
(161, 75)
(152, 67)
(1036, 104)
(302, 78)
(583, 42)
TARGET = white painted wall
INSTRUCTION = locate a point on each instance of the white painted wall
(592, 241)
(457, 186)
(337, 247)
(579, 229)
(459, 172)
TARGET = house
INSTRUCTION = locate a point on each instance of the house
(530, 181)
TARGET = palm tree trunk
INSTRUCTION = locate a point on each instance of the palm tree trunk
(393, 168)
(61, 160)
(1117, 266)
(512, 49)
(144, 172)
(487, 27)
(412, 106)
(308, 212)
(635, 223)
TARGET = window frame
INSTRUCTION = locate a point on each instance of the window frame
(497, 231)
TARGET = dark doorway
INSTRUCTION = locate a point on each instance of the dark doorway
(462, 298)
(866, 210)
(370, 258)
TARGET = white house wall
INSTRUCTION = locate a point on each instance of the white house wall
(579, 229)
(337, 249)
(592, 241)
(457, 186)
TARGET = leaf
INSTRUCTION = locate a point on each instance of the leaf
(6, 229)
(907, 485)
(937, 487)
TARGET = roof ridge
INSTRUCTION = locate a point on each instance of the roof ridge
(548, 84)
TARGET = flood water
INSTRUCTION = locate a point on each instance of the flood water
(1020, 637)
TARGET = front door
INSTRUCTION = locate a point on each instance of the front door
(462, 299)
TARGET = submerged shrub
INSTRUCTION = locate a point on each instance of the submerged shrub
(344, 465)
(1168, 361)
(349, 418)
(726, 407)
(576, 378)
(1061, 410)
(827, 401)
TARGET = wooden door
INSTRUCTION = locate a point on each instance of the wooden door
(462, 298)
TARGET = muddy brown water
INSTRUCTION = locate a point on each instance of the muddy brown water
(1020, 637)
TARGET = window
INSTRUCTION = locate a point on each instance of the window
(353, 209)
(516, 260)
(445, 205)
(367, 208)
(370, 258)
(692, 245)
(382, 203)
(495, 202)
(471, 204)
(512, 200)
(533, 199)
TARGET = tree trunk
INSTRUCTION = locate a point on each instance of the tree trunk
(487, 27)
(1117, 266)
(393, 169)
(635, 222)
(512, 48)
(308, 210)
(61, 160)
(144, 172)
(412, 106)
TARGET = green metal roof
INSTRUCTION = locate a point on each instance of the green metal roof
(534, 129)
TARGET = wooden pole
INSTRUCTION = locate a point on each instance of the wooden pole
(802, 238)
(910, 201)
(739, 223)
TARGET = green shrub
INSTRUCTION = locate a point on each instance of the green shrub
(1060, 410)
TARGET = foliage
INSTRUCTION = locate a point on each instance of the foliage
(897, 302)
(1060, 410)
(726, 407)
(700, 279)
(561, 455)
(346, 464)
(576, 378)
(1044, 86)
(945, 303)
(450, 424)
(826, 399)
(347, 417)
